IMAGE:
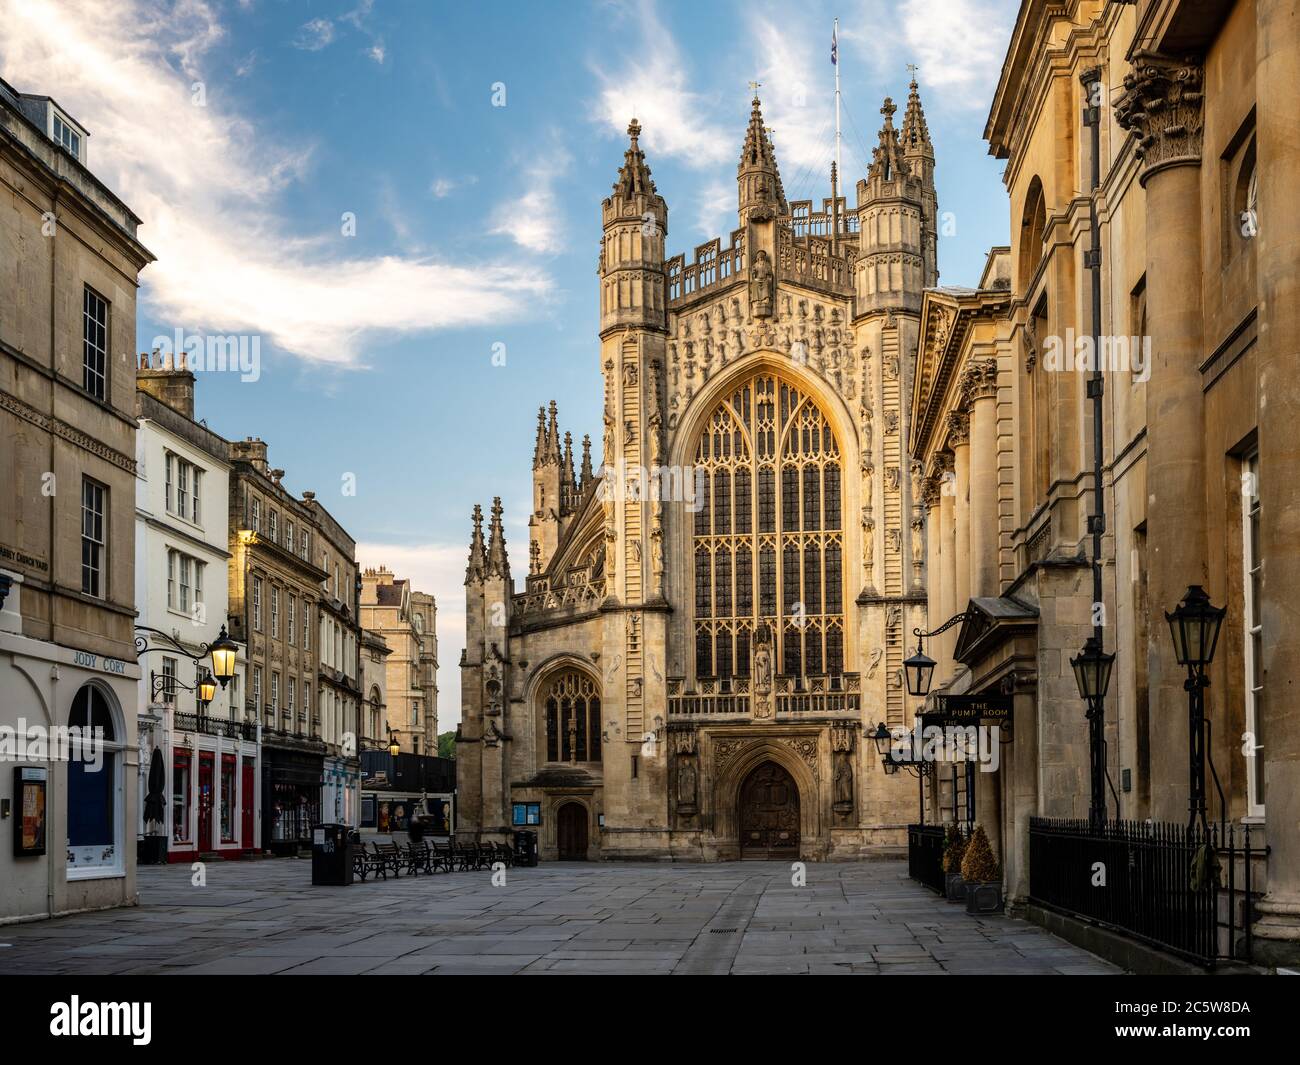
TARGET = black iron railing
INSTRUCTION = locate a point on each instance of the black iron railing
(925, 855)
(1186, 890)
(215, 726)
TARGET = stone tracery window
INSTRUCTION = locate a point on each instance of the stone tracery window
(572, 702)
(768, 539)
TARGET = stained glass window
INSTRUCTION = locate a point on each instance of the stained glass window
(769, 546)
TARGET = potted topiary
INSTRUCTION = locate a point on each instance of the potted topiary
(980, 871)
(954, 846)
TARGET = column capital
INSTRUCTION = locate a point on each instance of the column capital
(1162, 105)
(958, 423)
(979, 380)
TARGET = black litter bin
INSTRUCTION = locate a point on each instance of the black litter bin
(331, 855)
(525, 848)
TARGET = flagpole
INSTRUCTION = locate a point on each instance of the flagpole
(839, 163)
(837, 168)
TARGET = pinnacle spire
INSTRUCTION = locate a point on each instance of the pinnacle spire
(474, 571)
(567, 467)
(761, 193)
(539, 446)
(916, 134)
(887, 157)
(587, 475)
(634, 176)
(552, 453)
(497, 563)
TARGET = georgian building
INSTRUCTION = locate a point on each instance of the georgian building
(70, 261)
(336, 716)
(708, 621)
(1187, 111)
(277, 581)
(406, 621)
(210, 753)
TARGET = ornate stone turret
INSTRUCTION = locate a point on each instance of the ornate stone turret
(897, 209)
(635, 223)
(759, 180)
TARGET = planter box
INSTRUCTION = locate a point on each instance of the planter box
(984, 898)
(955, 887)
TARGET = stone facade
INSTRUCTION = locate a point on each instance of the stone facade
(711, 617)
(70, 260)
(1195, 156)
(406, 620)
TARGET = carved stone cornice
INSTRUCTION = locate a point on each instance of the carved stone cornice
(958, 423)
(70, 433)
(1162, 105)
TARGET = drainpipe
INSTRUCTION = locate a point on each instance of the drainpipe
(1093, 89)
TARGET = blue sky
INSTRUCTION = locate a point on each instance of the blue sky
(243, 133)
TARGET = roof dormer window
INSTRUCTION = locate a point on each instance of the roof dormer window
(66, 136)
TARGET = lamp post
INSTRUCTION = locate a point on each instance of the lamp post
(1092, 668)
(1194, 625)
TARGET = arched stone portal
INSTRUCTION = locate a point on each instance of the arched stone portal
(767, 811)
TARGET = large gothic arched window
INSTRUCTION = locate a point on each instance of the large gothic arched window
(572, 703)
(768, 534)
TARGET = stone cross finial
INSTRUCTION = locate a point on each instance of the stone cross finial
(888, 111)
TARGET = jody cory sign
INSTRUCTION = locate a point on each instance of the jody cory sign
(968, 710)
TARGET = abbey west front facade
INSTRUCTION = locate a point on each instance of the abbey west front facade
(714, 617)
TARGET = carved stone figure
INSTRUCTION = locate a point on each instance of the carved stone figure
(843, 781)
(687, 778)
(760, 286)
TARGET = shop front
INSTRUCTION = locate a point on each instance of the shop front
(291, 796)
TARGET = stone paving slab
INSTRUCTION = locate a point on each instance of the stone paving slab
(264, 917)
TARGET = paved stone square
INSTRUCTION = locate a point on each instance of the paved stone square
(741, 917)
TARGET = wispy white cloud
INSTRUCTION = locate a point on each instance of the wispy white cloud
(533, 217)
(314, 35)
(957, 45)
(716, 205)
(653, 82)
(208, 187)
(798, 101)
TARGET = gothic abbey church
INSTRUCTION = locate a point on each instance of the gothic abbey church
(714, 619)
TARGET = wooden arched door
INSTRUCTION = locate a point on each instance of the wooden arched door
(768, 814)
(571, 832)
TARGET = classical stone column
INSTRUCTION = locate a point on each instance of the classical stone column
(980, 385)
(1277, 247)
(1162, 105)
(940, 649)
(931, 497)
(959, 439)
(1023, 788)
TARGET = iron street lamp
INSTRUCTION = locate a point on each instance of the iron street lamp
(882, 738)
(394, 745)
(1092, 668)
(919, 670)
(1194, 625)
(223, 651)
(204, 688)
